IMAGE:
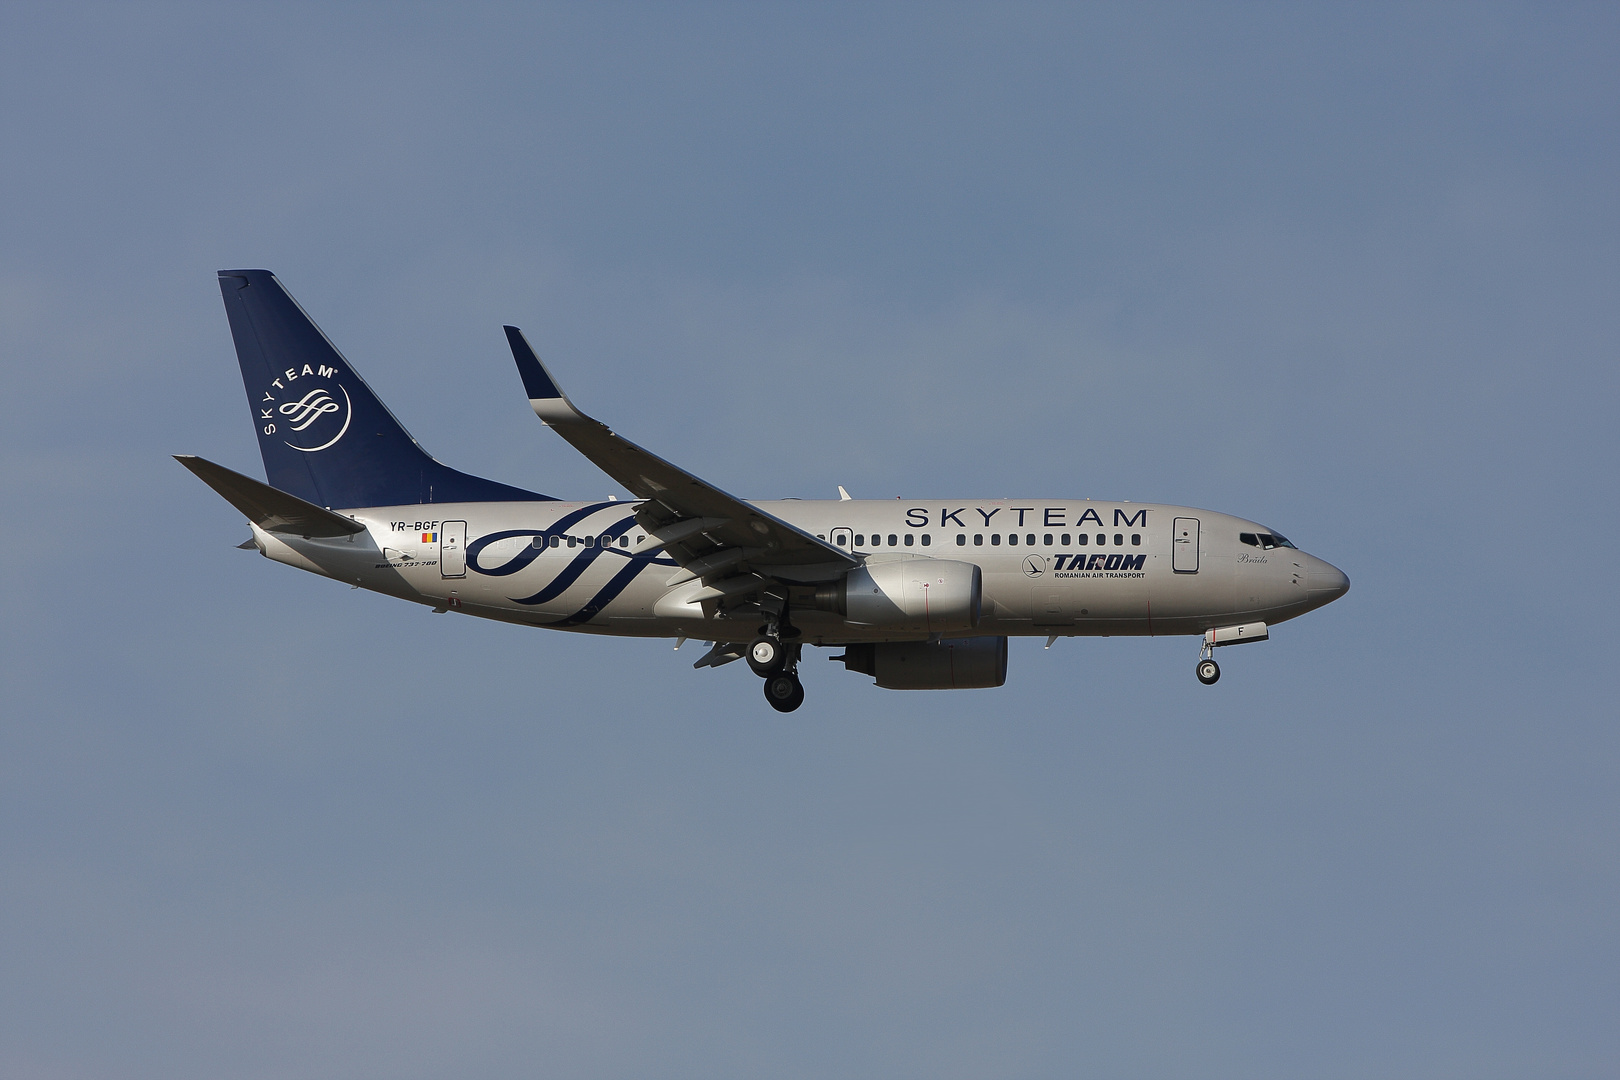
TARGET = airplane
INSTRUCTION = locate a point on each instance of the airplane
(919, 594)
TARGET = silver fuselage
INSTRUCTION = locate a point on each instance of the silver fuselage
(1050, 567)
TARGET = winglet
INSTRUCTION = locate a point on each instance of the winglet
(545, 396)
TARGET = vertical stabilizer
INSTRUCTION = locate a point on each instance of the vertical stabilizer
(325, 437)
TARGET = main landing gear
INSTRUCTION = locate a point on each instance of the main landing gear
(777, 662)
(785, 692)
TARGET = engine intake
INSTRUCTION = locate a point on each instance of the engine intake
(961, 664)
(928, 595)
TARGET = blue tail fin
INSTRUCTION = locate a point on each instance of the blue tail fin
(325, 436)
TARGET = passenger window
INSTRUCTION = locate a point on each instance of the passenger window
(1136, 539)
(624, 541)
(556, 541)
(894, 541)
(1012, 540)
(572, 541)
(642, 540)
(1119, 539)
(539, 541)
(860, 539)
(927, 540)
(1102, 538)
(995, 539)
(1065, 540)
(911, 538)
(961, 539)
(1048, 539)
(1084, 538)
(978, 539)
(1029, 539)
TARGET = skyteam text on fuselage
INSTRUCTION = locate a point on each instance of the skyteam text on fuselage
(918, 593)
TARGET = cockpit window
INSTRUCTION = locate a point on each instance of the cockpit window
(1276, 540)
(1250, 539)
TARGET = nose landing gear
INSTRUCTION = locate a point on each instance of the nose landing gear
(1208, 671)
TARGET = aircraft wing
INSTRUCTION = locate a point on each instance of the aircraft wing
(271, 509)
(711, 534)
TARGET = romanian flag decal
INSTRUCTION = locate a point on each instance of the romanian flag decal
(430, 538)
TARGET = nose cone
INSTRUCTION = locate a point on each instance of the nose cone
(1325, 583)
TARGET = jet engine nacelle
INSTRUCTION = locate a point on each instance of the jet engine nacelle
(928, 595)
(960, 664)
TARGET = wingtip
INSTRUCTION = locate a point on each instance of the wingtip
(537, 382)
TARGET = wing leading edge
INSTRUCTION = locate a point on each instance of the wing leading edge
(712, 535)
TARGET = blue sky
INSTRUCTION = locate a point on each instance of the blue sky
(1347, 270)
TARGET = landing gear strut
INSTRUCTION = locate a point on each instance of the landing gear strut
(777, 662)
(1207, 670)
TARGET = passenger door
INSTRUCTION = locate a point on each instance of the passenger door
(1184, 557)
(453, 549)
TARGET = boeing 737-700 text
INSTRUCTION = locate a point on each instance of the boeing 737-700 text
(918, 593)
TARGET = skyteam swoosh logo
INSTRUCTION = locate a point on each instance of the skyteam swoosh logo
(576, 566)
(306, 415)
(313, 407)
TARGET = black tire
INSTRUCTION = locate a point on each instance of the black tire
(784, 692)
(1208, 672)
(766, 656)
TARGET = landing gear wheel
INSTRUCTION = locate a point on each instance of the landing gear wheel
(1208, 672)
(766, 656)
(784, 692)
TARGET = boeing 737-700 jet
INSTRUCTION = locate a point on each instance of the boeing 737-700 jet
(920, 594)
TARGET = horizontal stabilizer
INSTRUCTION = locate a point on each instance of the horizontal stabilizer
(269, 508)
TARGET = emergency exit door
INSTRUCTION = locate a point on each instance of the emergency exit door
(1184, 556)
(453, 549)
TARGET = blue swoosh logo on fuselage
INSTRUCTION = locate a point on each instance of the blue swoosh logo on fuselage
(575, 568)
(530, 553)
